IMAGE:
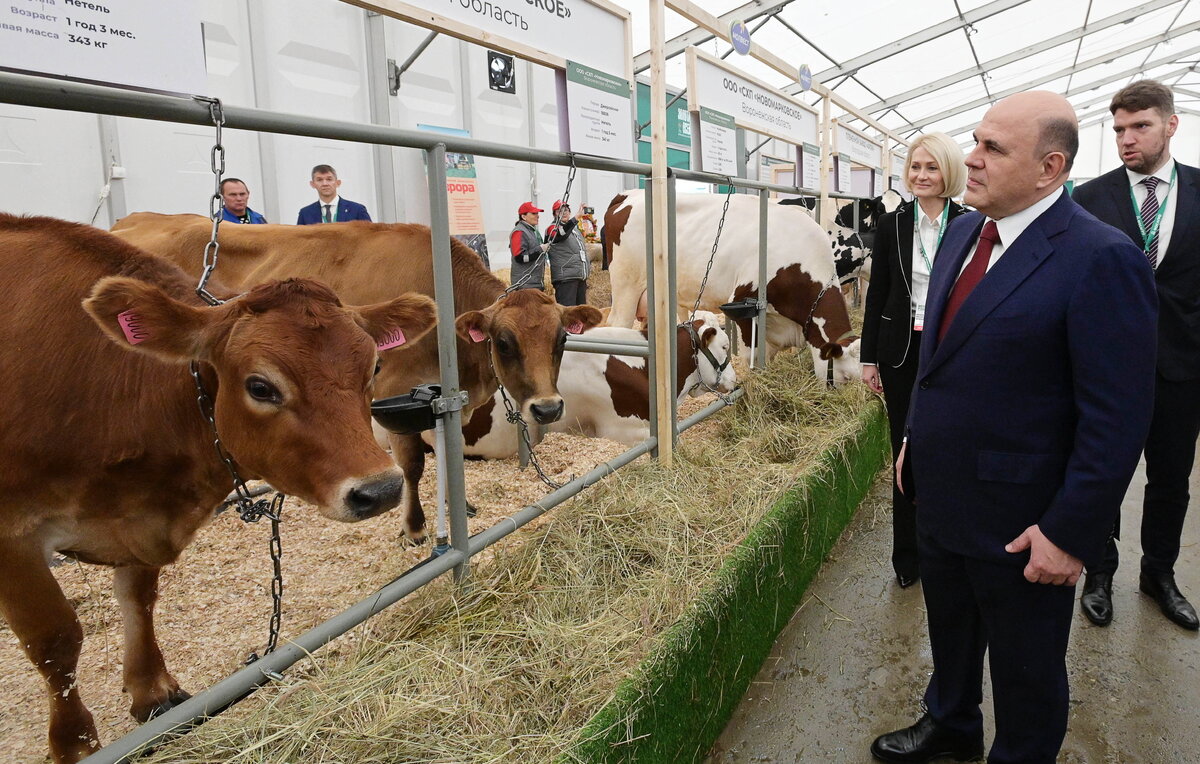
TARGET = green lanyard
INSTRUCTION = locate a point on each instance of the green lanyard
(1148, 236)
(921, 239)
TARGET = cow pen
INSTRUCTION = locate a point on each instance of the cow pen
(33, 91)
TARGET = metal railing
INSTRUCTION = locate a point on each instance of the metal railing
(36, 91)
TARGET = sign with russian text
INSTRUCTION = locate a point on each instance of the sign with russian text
(739, 35)
(718, 142)
(898, 167)
(810, 159)
(753, 104)
(855, 146)
(593, 32)
(599, 110)
(842, 177)
(147, 44)
(462, 195)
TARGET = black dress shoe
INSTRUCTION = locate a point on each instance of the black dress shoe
(1096, 602)
(926, 741)
(1161, 586)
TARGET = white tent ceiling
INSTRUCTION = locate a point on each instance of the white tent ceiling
(938, 64)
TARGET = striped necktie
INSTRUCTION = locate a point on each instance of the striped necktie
(1149, 212)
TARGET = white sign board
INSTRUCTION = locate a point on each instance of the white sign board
(753, 104)
(718, 142)
(877, 183)
(842, 178)
(810, 159)
(147, 44)
(599, 113)
(592, 32)
(855, 146)
(898, 168)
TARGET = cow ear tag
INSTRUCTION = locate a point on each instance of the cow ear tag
(476, 335)
(394, 338)
(575, 328)
(132, 327)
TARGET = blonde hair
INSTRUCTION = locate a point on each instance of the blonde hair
(949, 158)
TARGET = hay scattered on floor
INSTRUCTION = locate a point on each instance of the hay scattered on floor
(509, 669)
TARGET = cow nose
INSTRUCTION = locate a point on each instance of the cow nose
(374, 497)
(546, 413)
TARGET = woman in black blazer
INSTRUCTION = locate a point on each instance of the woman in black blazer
(905, 248)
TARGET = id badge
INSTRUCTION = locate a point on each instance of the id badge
(919, 319)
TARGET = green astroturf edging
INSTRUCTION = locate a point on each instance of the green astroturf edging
(681, 696)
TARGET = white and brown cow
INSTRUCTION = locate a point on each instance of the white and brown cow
(106, 458)
(804, 304)
(607, 396)
(852, 244)
(523, 332)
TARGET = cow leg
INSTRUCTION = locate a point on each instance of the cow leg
(45, 623)
(627, 286)
(151, 687)
(409, 454)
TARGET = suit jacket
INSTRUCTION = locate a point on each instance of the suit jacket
(346, 211)
(1034, 406)
(1178, 278)
(887, 336)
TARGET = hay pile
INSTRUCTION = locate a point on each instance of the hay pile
(509, 669)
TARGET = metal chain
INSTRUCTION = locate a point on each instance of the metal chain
(215, 203)
(712, 256)
(566, 195)
(250, 511)
(514, 417)
(696, 352)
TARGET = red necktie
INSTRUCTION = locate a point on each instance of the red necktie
(971, 275)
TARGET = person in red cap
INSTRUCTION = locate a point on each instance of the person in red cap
(528, 251)
(568, 257)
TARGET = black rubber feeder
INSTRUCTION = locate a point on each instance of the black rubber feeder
(410, 413)
(741, 309)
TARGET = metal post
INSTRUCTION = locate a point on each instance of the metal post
(760, 321)
(651, 318)
(258, 24)
(110, 148)
(443, 289)
(379, 97)
(673, 301)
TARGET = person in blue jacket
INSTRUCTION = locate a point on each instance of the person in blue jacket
(235, 198)
(330, 207)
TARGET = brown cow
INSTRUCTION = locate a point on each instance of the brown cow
(373, 261)
(106, 458)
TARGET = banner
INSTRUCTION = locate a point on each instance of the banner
(462, 196)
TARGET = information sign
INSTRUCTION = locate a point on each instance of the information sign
(855, 146)
(810, 160)
(147, 44)
(718, 142)
(739, 35)
(599, 110)
(842, 178)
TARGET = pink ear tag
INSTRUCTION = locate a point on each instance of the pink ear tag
(131, 325)
(392, 339)
(575, 328)
(476, 335)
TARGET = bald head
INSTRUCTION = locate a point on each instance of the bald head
(1026, 144)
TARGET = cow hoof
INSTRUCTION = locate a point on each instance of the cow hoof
(145, 713)
(416, 540)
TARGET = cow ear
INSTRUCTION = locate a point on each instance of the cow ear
(401, 321)
(473, 325)
(580, 318)
(708, 335)
(141, 317)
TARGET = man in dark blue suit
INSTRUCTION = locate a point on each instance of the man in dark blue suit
(1032, 401)
(329, 207)
(1156, 202)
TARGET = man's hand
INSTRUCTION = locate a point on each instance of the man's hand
(545, 246)
(1047, 563)
(900, 467)
(870, 378)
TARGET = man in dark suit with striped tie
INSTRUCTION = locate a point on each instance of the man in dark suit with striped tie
(1031, 405)
(1156, 202)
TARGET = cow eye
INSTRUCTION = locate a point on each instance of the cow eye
(262, 390)
(378, 366)
(562, 342)
(504, 347)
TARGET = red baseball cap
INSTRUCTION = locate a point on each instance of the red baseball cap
(559, 204)
(527, 207)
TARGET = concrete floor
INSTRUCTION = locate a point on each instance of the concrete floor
(854, 661)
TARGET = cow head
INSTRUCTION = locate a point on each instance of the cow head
(713, 368)
(289, 370)
(846, 365)
(526, 333)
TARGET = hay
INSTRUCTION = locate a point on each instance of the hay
(511, 668)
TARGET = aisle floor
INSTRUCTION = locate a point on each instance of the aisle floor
(854, 661)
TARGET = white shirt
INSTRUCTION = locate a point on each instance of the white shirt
(1168, 219)
(333, 205)
(927, 234)
(1010, 228)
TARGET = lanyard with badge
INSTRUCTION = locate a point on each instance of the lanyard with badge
(919, 310)
(1149, 235)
